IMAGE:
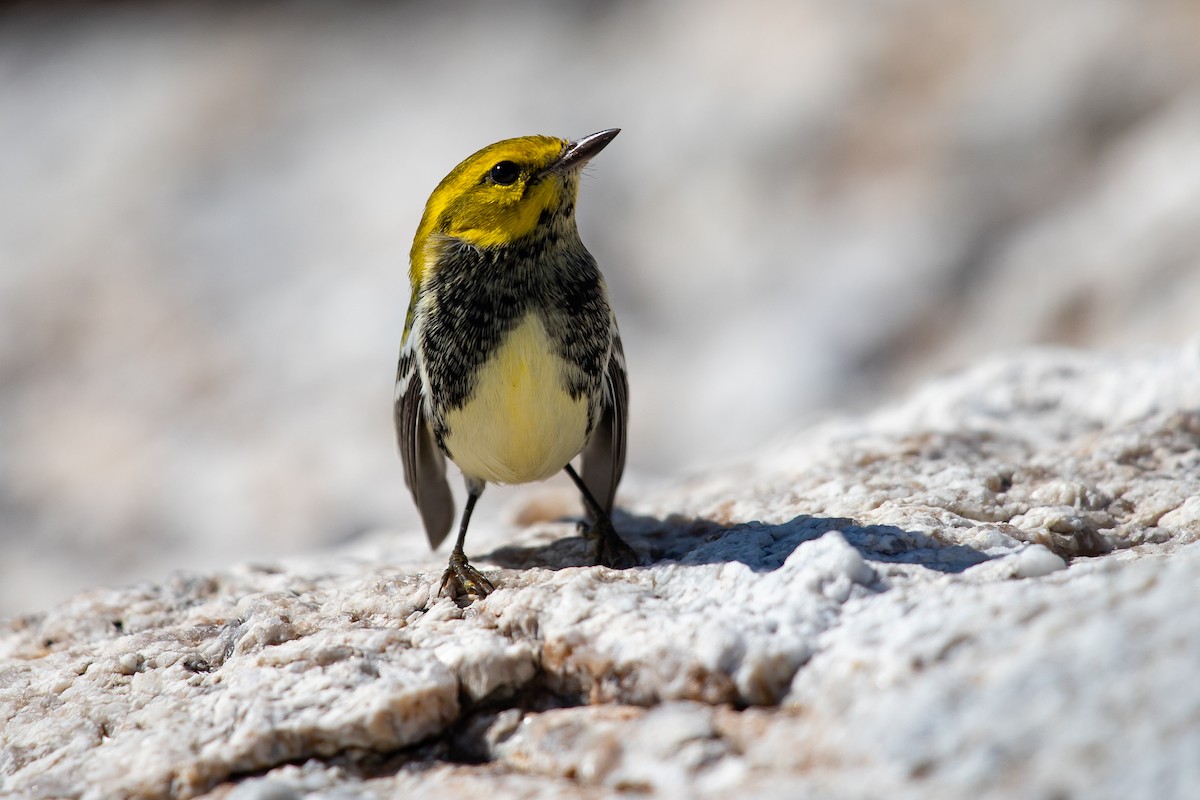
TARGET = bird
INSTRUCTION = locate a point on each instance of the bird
(511, 364)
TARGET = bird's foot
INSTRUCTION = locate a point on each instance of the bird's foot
(460, 578)
(610, 549)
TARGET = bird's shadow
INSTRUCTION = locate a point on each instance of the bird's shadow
(761, 546)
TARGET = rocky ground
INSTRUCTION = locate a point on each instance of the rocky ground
(987, 590)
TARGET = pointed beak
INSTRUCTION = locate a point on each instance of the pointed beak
(580, 151)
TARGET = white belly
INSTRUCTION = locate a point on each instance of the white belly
(520, 423)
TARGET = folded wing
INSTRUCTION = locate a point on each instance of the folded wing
(424, 463)
(604, 454)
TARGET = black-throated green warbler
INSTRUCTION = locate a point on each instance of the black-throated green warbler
(511, 364)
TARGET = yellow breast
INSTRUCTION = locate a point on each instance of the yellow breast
(520, 424)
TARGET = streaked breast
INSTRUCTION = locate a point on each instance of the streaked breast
(520, 423)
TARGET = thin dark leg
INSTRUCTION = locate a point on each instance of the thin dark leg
(593, 507)
(460, 577)
(611, 549)
(472, 498)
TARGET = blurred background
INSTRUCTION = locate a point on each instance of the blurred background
(206, 210)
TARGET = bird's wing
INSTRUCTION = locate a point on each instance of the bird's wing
(424, 464)
(604, 455)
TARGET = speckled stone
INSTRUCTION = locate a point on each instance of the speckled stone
(984, 590)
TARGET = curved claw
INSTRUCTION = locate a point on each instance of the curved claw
(460, 578)
(610, 549)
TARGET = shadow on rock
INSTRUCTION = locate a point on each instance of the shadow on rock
(760, 546)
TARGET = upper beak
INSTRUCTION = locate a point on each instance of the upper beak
(580, 151)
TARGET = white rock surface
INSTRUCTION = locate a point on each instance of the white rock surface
(987, 590)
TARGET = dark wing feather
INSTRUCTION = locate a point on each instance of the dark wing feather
(424, 463)
(604, 456)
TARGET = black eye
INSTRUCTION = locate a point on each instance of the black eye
(504, 173)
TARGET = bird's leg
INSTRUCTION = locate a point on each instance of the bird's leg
(460, 577)
(611, 549)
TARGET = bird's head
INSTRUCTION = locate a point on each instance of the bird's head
(504, 192)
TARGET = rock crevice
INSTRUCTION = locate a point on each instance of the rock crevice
(914, 599)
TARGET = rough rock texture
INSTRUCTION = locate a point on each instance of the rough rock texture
(985, 591)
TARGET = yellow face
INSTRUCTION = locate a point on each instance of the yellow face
(496, 196)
